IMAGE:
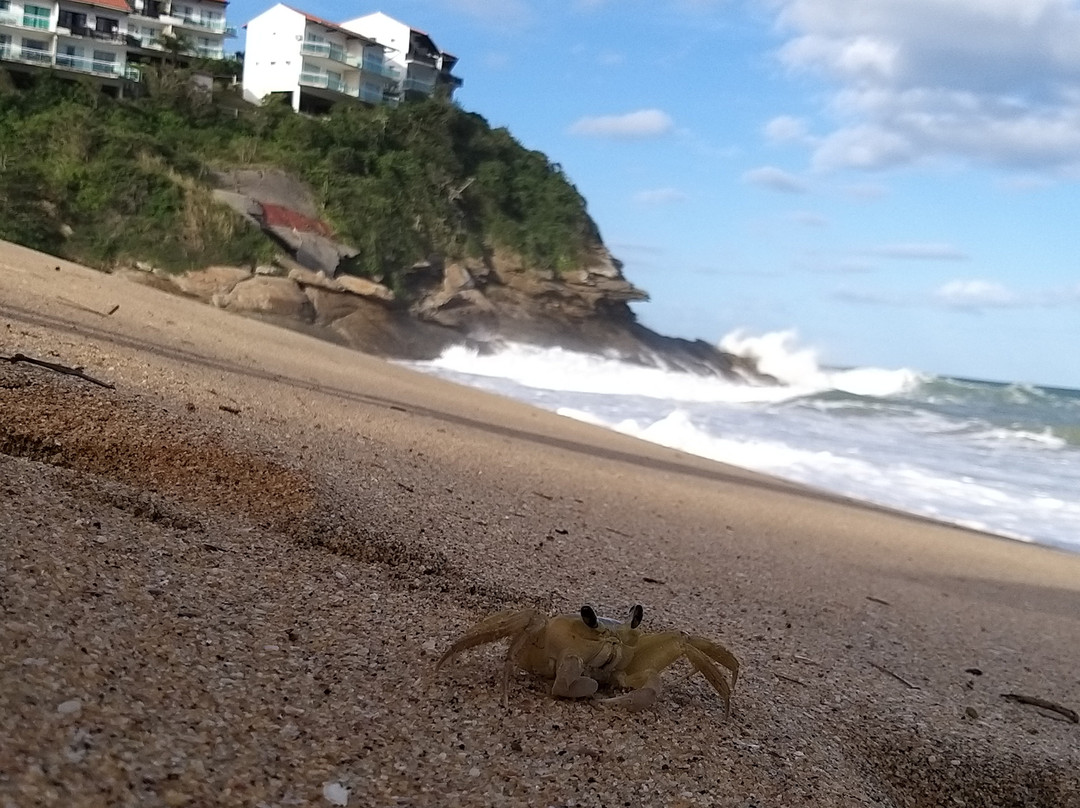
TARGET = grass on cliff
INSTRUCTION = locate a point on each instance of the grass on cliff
(105, 181)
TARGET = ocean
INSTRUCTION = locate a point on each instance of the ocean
(1000, 458)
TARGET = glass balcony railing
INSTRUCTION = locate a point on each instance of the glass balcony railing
(419, 85)
(325, 81)
(325, 50)
(84, 65)
(10, 18)
(215, 26)
(41, 23)
(381, 69)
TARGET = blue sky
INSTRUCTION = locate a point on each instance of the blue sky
(896, 180)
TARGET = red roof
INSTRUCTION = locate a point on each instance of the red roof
(278, 216)
(115, 5)
(333, 26)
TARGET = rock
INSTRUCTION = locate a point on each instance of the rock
(456, 278)
(205, 283)
(335, 793)
(311, 277)
(281, 297)
(365, 288)
(330, 306)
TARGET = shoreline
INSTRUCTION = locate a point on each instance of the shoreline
(243, 562)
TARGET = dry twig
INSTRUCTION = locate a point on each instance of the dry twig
(57, 368)
(1035, 701)
(896, 676)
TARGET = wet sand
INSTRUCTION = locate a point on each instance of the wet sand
(226, 580)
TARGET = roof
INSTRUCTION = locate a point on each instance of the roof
(115, 5)
(279, 216)
(333, 26)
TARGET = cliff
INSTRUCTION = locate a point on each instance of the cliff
(396, 230)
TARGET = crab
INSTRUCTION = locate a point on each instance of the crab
(582, 651)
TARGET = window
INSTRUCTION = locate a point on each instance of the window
(35, 17)
(107, 25)
(71, 20)
(36, 50)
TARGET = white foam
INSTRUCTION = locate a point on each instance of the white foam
(776, 354)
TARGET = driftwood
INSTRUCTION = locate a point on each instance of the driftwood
(1035, 701)
(896, 676)
(57, 368)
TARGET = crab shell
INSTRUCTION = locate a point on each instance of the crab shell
(582, 651)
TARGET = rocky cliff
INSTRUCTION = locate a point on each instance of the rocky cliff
(483, 302)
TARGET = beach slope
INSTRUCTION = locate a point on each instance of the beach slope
(227, 575)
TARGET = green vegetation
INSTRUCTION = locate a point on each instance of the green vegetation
(129, 179)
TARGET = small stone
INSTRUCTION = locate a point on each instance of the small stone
(70, 706)
(971, 712)
(335, 793)
(175, 798)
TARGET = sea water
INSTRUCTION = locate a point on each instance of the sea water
(1000, 458)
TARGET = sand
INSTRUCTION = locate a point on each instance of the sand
(225, 581)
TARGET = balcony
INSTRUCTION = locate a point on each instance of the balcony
(199, 24)
(210, 53)
(33, 56)
(324, 50)
(326, 82)
(83, 65)
(426, 86)
(14, 20)
(387, 71)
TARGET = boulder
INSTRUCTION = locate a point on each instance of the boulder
(205, 283)
(331, 306)
(279, 297)
(365, 288)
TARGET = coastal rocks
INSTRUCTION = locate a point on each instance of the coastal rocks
(279, 297)
(207, 283)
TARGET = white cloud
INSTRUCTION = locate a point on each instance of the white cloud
(921, 252)
(809, 218)
(660, 196)
(775, 179)
(644, 123)
(976, 294)
(991, 81)
(786, 128)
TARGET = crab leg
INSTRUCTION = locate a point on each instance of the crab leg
(569, 683)
(491, 629)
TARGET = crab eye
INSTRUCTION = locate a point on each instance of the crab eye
(588, 616)
(635, 616)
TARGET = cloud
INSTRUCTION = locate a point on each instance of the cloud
(809, 218)
(660, 196)
(921, 252)
(984, 81)
(642, 124)
(775, 179)
(785, 129)
(976, 295)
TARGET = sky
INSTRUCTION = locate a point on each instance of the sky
(894, 180)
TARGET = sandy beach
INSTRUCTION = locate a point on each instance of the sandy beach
(225, 580)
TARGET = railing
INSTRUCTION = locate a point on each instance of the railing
(216, 26)
(419, 85)
(381, 69)
(33, 56)
(371, 96)
(323, 80)
(10, 18)
(85, 65)
(327, 51)
(210, 53)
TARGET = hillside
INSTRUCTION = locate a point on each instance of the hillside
(468, 232)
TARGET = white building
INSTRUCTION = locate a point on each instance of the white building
(423, 66)
(314, 62)
(106, 39)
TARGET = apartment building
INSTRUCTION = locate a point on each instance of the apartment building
(423, 67)
(106, 39)
(315, 63)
